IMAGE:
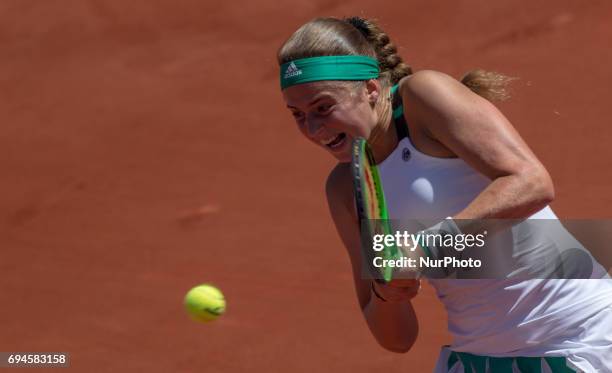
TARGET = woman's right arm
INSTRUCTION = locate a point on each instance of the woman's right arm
(391, 320)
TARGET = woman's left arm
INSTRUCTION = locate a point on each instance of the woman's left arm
(476, 131)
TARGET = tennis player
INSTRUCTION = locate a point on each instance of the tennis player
(443, 150)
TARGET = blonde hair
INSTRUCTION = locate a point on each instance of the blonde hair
(331, 36)
(491, 85)
(350, 36)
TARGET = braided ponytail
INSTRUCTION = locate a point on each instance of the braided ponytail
(391, 64)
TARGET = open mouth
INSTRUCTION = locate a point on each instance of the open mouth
(335, 142)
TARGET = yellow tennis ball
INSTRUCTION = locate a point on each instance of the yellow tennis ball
(205, 303)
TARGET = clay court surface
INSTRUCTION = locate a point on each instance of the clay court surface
(145, 148)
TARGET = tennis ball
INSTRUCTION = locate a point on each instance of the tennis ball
(204, 303)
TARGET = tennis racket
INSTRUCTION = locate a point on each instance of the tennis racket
(371, 207)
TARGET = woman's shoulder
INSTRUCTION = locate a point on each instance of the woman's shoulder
(338, 180)
(338, 188)
(431, 95)
(425, 79)
(427, 83)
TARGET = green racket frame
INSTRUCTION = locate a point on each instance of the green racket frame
(362, 159)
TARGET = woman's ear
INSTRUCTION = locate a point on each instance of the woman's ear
(372, 90)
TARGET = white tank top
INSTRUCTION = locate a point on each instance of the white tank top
(507, 317)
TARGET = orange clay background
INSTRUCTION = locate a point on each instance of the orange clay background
(145, 148)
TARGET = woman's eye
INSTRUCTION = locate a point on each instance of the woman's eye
(322, 109)
(297, 115)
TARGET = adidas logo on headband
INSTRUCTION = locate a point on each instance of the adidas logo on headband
(292, 71)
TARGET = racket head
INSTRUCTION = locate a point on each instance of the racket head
(371, 206)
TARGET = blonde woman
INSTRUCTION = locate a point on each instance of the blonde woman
(342, 79)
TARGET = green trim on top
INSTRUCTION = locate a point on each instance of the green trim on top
(398, 112)
(478, 363)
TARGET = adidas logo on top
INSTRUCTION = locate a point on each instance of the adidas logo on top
(292, 71)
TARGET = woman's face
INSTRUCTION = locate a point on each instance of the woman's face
(331, 115)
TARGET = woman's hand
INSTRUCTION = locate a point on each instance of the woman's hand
(396, 291)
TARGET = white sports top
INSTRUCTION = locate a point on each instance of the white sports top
(506, 317)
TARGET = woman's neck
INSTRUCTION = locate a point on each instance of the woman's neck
(383, 139)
